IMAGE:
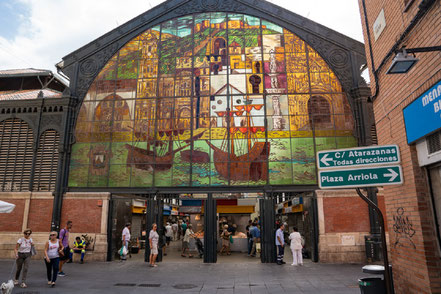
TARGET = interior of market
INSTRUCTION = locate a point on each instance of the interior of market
(237, 220)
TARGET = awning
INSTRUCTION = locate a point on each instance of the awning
(6, 207)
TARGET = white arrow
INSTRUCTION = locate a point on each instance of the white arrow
(393, 174)
(325, 159)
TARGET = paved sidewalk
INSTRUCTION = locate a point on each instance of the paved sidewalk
(134, 276)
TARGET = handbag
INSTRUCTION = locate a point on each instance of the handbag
(231, 239)
(33, 251)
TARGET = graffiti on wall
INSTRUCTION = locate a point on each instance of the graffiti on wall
(211, 99)
(403, 229)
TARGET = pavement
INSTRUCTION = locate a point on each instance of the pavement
(231, 274)
(134, 276)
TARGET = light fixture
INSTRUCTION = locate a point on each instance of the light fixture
(402, 63)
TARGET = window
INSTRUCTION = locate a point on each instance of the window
(16, 154)
(433, 143)
(46, 163)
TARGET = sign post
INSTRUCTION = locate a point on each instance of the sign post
(363, 167)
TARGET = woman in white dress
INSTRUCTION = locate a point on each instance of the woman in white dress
(296, 247)
(153, 242)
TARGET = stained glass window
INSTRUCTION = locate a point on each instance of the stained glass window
(210, 99)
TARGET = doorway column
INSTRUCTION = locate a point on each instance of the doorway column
(160, 226)
(268, 229)
(150, 219)
(210, 232)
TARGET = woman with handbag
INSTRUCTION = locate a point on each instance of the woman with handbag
(52, 252)
(23, 253)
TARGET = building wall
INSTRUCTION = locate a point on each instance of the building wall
(87, 211)
(343, 224)
(414, 251)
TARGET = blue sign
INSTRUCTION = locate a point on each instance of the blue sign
(423, 116)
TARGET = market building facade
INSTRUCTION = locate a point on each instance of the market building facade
(208, 98)
(406, 113)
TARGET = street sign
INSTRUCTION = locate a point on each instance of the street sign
(360, 177)
(355, 157)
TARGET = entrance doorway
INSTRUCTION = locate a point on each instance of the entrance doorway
(299, 210)
(220, 225)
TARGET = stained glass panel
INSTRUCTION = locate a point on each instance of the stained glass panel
(210, 99)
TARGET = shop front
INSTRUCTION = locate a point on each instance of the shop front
(426, 135)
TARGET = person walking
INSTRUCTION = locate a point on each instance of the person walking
(64, 256)
(296, 247)
(168, 235)
(225, 241)
(280, 243)
(186, 241)
(248, 229)
(153, 242)
(23, 257)
(184, 227)
(52, 250)
(125, 240)
(255, 236)
(175, 231)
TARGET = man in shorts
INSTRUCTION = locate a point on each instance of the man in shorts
(64, 237)
(186, 242)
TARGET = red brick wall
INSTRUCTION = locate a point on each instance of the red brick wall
(84, 213)
(347, 214)
(416, 260)
(40, 215)
(12, 222)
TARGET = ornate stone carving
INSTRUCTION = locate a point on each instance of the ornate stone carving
(209, 5)
(338, 58)
(51, 121)
(89, 67)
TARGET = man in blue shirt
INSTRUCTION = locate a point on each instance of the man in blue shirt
(255, 236)
(280, 243)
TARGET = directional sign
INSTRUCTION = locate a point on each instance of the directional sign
(354, 157)
(360, 177)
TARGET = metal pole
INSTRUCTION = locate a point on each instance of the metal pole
(160, 225)
(210, 236)
(150, 219)
(110, 228)
(387, 274)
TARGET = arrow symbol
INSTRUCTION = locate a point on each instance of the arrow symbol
(325, 159)
(393, 174)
